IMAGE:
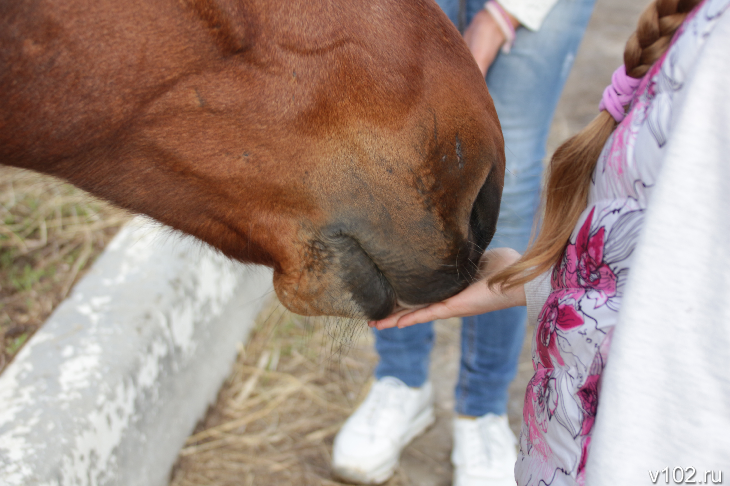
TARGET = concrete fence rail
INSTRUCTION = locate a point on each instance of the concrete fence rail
(106, 392)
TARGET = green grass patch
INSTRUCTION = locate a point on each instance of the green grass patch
(16, 343)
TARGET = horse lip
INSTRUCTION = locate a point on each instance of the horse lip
(379, 291)
(379, 296)
(400, 305)
(370, 288)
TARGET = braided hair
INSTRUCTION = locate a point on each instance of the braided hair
(571, 168)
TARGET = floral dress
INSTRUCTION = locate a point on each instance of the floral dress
(573, 333)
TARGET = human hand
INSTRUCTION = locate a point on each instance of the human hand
(484, 38)
(477, 298)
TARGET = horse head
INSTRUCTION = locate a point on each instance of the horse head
(352, 146)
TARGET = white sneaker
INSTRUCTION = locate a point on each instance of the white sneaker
(484, 452)
(368, 446)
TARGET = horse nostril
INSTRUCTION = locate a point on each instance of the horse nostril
(484, 213)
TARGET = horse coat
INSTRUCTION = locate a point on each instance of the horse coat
(350, 145)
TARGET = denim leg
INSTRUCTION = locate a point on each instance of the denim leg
(405, 353)
(525, 86)
(490, 348)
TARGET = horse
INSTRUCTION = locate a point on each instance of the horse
(351, 146)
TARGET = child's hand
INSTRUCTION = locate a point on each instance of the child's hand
(477, 298)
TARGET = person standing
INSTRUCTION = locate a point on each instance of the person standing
(625, 281)
(526, 49)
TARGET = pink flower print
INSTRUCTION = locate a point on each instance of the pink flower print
(541, 401)
(584, 266)
(558, 314)
(588, 396)
(581, 476)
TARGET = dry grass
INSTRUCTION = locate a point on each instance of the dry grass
(291, 389)
(51, 233)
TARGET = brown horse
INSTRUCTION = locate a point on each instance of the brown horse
(351, 145)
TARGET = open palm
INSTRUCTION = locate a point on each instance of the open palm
(477, 298)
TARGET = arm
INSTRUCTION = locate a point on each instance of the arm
(484, 35)
(478, 298)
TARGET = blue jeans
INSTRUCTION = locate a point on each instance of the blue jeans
(525, 85)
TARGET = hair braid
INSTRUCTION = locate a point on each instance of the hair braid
(657, 25)
(571, 168)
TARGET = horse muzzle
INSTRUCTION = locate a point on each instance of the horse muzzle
(365, 270)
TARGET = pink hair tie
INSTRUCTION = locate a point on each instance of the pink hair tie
(619, 93)
(504, 22)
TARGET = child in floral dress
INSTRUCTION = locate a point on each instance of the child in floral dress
(583, 288)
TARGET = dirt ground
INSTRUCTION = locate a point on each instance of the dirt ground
(273, 424)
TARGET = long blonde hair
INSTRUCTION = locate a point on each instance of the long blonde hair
(569, 175)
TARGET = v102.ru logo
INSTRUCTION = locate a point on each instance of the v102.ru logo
(685, 475)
